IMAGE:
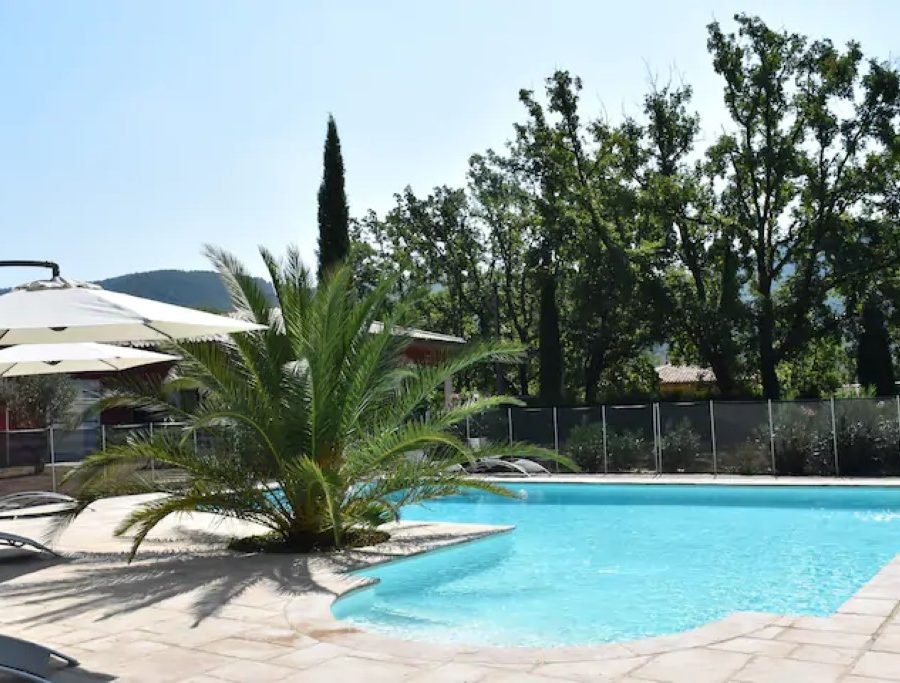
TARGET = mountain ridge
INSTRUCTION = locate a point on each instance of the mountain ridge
(201, 289)
(192, 288)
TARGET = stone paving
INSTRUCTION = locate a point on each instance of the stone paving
(187, 611)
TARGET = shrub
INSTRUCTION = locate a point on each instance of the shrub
(683, 449)
(803, 441)
(867, 440)
(629, 451)
(585, 447)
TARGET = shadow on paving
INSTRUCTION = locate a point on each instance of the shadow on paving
(15, 563)
(105, 583)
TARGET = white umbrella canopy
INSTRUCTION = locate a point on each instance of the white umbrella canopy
(47, 359)
(64, 311)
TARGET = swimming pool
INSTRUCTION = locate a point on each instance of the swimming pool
(601, 563)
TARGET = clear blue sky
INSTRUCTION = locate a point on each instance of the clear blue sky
(133, 132)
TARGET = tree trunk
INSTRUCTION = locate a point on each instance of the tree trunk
(549, 350)
(724, 372)
(592, 373)
(768, 362)
(523, 378)
(874, 364)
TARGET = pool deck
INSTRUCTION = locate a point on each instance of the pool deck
(188, 611)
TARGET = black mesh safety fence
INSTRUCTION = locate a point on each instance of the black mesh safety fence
(803, 438)
(867, 436)
(631, 439)
(742, 437)
(851, 437)
(685, 438)
(581, 437)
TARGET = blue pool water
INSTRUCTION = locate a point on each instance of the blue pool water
(600, 563)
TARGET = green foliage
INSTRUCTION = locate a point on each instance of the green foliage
(803, 439)
(868, 438)
(314, 419)
(819, 370)
(763, 256)
(629, 451)
(683, 449)
(584, 446)
(39, 400)
(334, 216)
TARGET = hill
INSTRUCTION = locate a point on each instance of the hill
(192, 288)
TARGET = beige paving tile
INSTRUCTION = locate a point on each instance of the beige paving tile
(253, 615)
(778, 670)
(868, 606)
(207, 631)
(767, 632)
(827, 638)
(348, 669)
(508, 677)
(174, 664)
(784, 621)
(453, 672)
(865, 679)
(826, 655)
(124, 652)
(280, 636)
(698, 665)
(246, 649)
(243, 671)
(878, 665)
(882, 589)
(607, 669)
(77, 636)
(887, 642)
(309, 656)
(760, 646)
(844, 623)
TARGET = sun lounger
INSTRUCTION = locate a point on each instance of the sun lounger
(521, 466)
(15, 541)
(29, 661)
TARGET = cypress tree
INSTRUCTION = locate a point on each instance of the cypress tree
(334, 240)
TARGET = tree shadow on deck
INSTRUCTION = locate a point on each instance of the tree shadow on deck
(104, 585)
(101, 586)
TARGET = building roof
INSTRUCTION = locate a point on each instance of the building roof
(684, 374)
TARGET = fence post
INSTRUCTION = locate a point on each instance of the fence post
(712, 435)
(837, 468)
(509, 422)
(772, 439)
(52, 460)
(102, 437)
(898, 419)
(8, 458)
(657, 436)
(194, 439)
(556, 436)
(468, 431)
(152, 468)
(605, 457)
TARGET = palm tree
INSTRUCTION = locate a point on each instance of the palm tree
(314, 419)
